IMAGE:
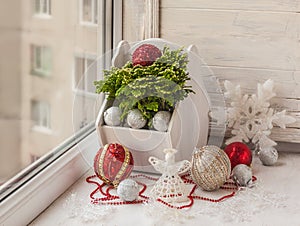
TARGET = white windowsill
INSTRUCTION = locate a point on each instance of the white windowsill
(88, 24)
(42, 129)
(287, 183)
(42, 16)
(85, 93)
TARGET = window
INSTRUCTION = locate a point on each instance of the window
(40, 114)
(89, 11)
(36, 166)
(42, 7)
(85, 73)
(41, 60)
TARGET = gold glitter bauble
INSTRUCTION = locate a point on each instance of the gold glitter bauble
(210, 167)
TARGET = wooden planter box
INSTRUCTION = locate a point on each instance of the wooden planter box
(188, 127)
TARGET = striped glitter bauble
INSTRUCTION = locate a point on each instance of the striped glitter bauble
(113, 163)
(210, 167)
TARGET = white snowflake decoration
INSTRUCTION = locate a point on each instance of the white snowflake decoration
(170, 186)
(250, 116)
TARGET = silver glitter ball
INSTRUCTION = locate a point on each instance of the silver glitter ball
(161, 121)
(268, 156)
(112, 116)
(128, 190)
(242, 175)
(135, 119)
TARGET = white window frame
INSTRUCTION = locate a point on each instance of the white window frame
(84, 78)
(39, 51)
(31, 191)
(40, 10)
(94, 18)
(42, 111)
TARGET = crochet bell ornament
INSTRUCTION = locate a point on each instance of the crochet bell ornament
(170, 187)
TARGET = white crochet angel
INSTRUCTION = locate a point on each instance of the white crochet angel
(170, 186)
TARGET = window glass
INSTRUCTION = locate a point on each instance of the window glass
(37, 112)
(89, 12)
(40, 114)
(85, 73)
(42, 7)
(41, 60)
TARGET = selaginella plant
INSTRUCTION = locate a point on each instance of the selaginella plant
(149, 87)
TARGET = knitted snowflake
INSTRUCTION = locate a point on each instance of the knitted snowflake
(250, 116)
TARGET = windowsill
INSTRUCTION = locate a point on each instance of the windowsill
(275, 202)
(40, 73)
(42, 16)
(85, 93)
(88, 24)
(42, 129)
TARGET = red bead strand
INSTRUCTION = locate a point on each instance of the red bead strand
(110, 199)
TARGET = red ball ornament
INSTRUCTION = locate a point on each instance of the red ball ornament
(238, 153)
(145, 55)
(113, 163)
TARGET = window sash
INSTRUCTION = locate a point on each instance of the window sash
(41, 58)
(85, 73)
(42, 7)
(41, 114)
(89, 12)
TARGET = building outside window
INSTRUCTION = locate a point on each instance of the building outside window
(89, 12)
(41, 60)
(42, 7)
(40, 114)
(31, 128)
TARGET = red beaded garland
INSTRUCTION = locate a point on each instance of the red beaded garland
(109, 199)
(113, 163)
(238, 153)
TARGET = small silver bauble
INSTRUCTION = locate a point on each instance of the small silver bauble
(161, 121)
(242, 175)
(135, 119)
(112, 116)
(128, 190)
(268, 156)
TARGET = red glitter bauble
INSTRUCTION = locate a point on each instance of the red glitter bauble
(113, 163)
(145, 55)
(238, 153)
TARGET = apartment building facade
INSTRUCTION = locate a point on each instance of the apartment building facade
(47, 68)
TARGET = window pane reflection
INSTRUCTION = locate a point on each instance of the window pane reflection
(39, 74)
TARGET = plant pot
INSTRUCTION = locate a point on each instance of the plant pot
(188, 127)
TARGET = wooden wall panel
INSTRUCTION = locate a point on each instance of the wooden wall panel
(245, 42)
(254, 5)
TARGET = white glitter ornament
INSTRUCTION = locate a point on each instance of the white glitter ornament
(268, 156)
(128, 190)
(161, 121)
(135, 119)
(210, 167)
(170, 187)
(112, 116)
(242, 175)
(251, 117)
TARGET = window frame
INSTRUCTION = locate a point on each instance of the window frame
(94, 18)
(43, 109)
(36, 69)
(40, 12)
(76, 83)
(32, 190)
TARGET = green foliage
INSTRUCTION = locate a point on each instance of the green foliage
(150, 88)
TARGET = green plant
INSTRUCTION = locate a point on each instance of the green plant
(153, 88)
